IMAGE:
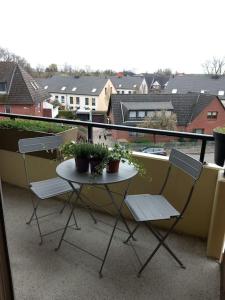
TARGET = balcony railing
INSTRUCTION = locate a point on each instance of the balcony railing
(204, 138)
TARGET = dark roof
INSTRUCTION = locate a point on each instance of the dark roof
(148, 105)
(21, 88)
(160, 78)
(127, 82)
(84, 85)
(185, 83)
(186, 106)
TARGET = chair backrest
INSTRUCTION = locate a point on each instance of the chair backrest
(186, 163)
(44, 143)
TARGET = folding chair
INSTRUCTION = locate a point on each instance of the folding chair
(146, 208)
(49, 188)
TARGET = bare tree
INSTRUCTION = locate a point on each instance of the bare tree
(6, 55)
(160, 120)
(215, 67)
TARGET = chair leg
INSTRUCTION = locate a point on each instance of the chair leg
(38, 225)
(159, 238)
(66, 202)
(132, 233)
(157, 247)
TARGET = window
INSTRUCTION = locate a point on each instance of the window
(122, 92)
(202, 92)
(2, 87)
(93, 102)
(77, 100)
(174, 91)
(129, 92)
(56, 97)
(71, 100)
(221, 93)
(150, 113)
(118, 92)
(62, 99)
(74, 89)
(136, 134)
(141, 114)
(46, 86)
(105, 90)
(212, 115)
(199, 130)
(63, 88)
(94, 90)
(132, 114)
(120, 85)
(86, 101)
(8, 109)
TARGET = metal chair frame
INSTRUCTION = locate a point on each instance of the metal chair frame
(189, 166)
(48, 143)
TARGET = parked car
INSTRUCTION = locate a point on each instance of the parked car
(158, 151)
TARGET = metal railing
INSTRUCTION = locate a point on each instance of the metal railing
(204, 138)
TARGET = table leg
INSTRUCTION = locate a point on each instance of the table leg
(71, 214)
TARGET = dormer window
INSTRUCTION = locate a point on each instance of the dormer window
(202, 92)
(94, 90)
(120, 85)
(74, 89)
(174, 91)
(46, 87)
(33, 85)
(2, 87)
(63, 88)
(134, 85)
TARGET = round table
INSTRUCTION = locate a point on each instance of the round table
(68, 172)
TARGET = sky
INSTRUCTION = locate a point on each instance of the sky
(136, 35)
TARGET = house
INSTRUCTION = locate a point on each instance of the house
(19, 92)
(198, 83)
(199, 113)
(156, 82)
(129, 84)
(80, 94)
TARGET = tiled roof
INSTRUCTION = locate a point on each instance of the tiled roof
(186, 106)
(21, 88)
(148, 106)
(127, 82)
(196, 83)
(84, 85)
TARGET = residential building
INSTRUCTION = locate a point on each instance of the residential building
(156, 82)
(129, 84)
(19, 92)
(198, 83)
(197, 113)
(80, 94)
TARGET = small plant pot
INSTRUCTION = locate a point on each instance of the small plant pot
(113, 166)
(82, 164)
(96, 166)
(219, 148)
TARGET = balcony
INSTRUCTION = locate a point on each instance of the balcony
(41, 273)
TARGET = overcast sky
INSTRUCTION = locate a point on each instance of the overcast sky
(139, 35)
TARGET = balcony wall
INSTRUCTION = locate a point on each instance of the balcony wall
(204, 216)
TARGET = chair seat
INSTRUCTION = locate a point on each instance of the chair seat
(51, 187)
(146, 207)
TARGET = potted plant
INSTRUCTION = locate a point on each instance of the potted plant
(219, 135)
(98, 158)
(81, 152)
(119, 154)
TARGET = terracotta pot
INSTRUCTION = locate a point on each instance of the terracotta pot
(113, 166)
(219, 148)
(96, 166)
(82, 164)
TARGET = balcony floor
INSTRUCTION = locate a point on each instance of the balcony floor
(41, 273)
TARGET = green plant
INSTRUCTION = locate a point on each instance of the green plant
(73, 149)
(123, 153)
(32, 125)
(99, 151)
(220, 129)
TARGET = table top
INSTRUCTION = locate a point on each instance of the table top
(67, 170)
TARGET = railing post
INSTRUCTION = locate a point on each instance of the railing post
(90, 133)
(202, 154)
